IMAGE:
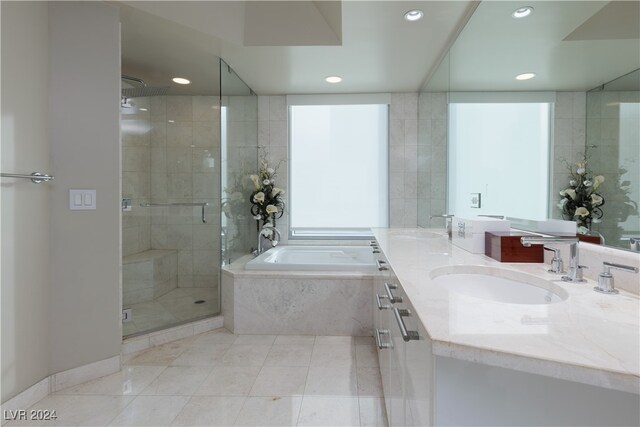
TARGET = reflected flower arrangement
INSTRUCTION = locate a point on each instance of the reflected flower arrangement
(581, 201)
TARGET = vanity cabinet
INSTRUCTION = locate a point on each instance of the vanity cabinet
(390, 350)
(423, 387)
(406, 367)
(418, 373)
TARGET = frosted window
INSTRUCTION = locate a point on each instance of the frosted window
(338, 167)
(502, 152)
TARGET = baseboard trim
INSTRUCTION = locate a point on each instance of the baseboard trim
(56, 382)
(143, 342)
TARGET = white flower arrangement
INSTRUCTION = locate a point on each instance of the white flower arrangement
(581, 201)
(267, 202)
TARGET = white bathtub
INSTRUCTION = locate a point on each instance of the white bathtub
(318, 258)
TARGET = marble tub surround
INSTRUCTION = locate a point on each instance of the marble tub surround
(218, 378)
(296, 302)
(589, 338)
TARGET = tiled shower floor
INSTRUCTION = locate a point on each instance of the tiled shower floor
(221, 379)
(175, 306)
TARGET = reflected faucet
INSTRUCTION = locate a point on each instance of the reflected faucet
(574, 273)
(274, 242)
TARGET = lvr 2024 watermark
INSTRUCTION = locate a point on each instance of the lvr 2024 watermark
(29, 415)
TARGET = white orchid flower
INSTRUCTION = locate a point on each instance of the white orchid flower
(257, 217)
(267, 232)
(587, 183)
(266, 182)
(571, 193)
(597, 181)
(572, 183)
(256, 181)
(596, 200)
(258, 197)
(581, 171)
(582, 212)
(270, 170)
(276, 191)
(271, 209)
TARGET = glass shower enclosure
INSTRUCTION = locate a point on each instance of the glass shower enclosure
(183, 150)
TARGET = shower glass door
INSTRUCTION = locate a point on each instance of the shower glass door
(171, 200)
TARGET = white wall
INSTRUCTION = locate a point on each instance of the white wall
(24, 213)
(84, 43)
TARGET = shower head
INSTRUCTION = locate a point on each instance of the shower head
(141, 89)
(138, 92)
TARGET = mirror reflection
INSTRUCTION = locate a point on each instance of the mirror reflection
(481, 133)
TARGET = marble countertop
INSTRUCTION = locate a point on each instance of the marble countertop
(589, 338)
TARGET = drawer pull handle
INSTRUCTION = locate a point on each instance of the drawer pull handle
(392, 299)
(380, 305)
(406, 335)
(381, 345)
(381, 266)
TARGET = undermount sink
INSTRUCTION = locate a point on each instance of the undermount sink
(495, 284)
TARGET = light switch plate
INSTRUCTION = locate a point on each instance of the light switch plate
(476, 200)
(82, 200)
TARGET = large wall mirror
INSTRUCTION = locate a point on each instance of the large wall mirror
(527, 93)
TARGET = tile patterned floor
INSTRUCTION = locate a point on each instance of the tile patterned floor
(221, 379)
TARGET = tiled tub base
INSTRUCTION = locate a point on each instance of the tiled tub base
(148, 275)
(297, 303)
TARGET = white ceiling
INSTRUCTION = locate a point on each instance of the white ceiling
(571, 45)
(289, 47)
(379, 50)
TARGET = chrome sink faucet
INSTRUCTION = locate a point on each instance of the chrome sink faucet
(556, 261)
(274, 242)
(574, 273)
(605, 279)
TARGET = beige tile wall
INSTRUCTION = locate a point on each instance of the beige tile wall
(432, 158)
(569, 129)
(171, 155)
(241, 161)
(403, 160)
(607, 155)
(273, 133)
(136, 176)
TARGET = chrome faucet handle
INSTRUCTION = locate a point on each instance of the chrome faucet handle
(557, 265)
(605, 279)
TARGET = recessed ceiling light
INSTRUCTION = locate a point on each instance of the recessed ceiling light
(171, 121)
(525, 76)
(522, 12)
(333, 79)
(143, 109)
(413, 15)
(181, 80)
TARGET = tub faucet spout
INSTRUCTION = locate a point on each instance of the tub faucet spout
(267, 230)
